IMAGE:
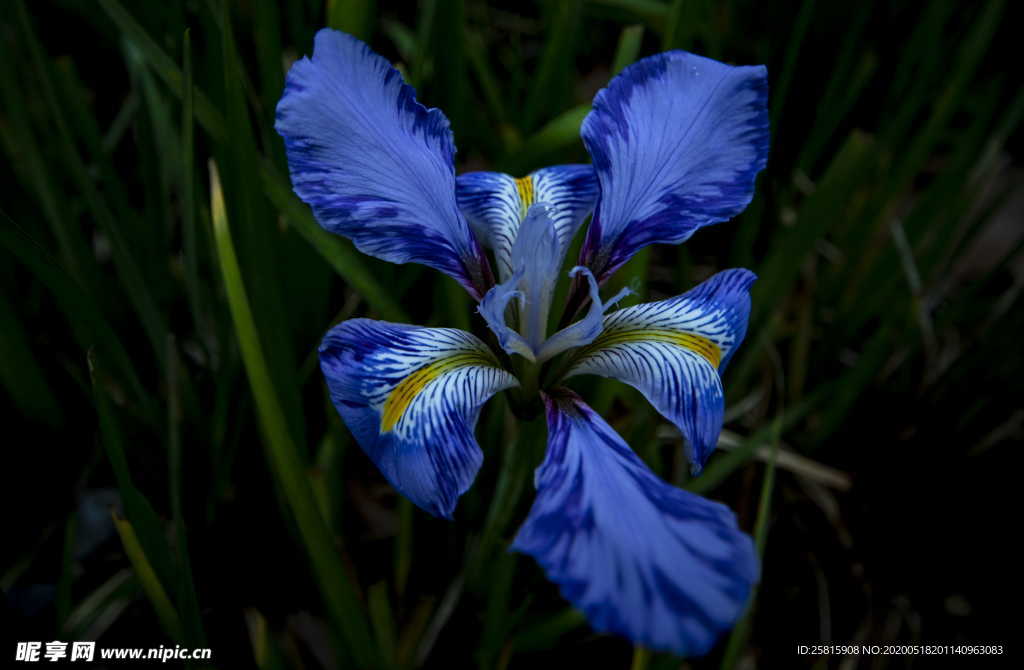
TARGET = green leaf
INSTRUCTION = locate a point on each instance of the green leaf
(446, 86)
(553, 81)
(724, 464)
(259, 240)
(133, 279)
(147, 577)
(338, 252)
(186, 596)
(20, 373)
(739, 634)
(793, 45)
(335, 251)
(817, 214)
(682, 24)
(383, 619)
(561, 132)
(148, 527)
(283, 454)
(20, 140)
(84, 317)
(628, 49)
(62, 598)
(355, 17)
(165, 67)
(188, 189)
(652, 12)
(547, 631)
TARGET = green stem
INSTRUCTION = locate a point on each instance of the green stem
(738, 637)
(640, 658)
(165, 611)
(518, 461)
(525, 400)
(529, 379)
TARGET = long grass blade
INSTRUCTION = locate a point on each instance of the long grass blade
(739, 634)
(286, 463)
(147, 577)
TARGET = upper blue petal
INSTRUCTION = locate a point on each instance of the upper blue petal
(538, 253)
(677, 141)
(496, 204)
(374, 164)
(666, 568)
(411, 397)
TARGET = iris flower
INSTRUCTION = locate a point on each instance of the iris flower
(676, 142)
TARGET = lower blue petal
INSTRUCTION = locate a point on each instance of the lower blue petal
(663, 567)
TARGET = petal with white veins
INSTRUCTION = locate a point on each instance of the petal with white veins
(495, 204)
(672, 351)
(411, 397)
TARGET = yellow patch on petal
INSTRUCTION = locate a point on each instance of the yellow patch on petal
(401, 396)
(695, 343)
(524, 187)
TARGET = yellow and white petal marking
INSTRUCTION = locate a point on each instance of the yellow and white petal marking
(409, 389)
(571, 190)
(677, 371)
(698, 344)
(672, 350)
(495, 204)
(524, 189)
(452, 374)
(411, 397)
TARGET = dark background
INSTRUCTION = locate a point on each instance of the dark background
(882, 366)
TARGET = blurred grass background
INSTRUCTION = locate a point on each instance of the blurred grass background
(158, 331)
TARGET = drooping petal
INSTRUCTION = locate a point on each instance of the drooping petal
(496, 204)
(589, 327)
(411, 397)
(672, 352)
(666, 568)
(374, 164)
(677, 141)
(494, 308)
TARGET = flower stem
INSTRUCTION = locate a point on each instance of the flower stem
(525, 400)
(530, 379)
(640, 658)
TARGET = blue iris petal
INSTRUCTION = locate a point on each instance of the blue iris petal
(536, 255)
(666, 568)
(374, 164)
(494, 307)
(677, 141)
(495, 205)
(673, 351)
(411, 397)
(590, 326)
